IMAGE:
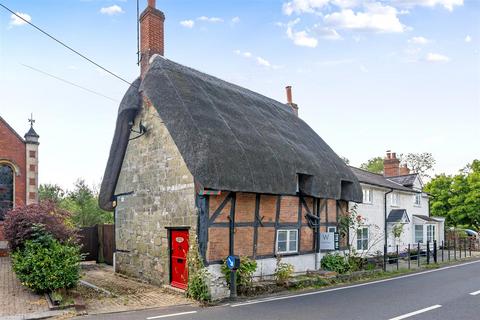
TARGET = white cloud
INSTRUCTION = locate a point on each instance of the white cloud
(363, 68)
(436, 57)
(187, 23)
(447, 4)
(235, 20)
(418, 40)
(326, 33)
(300, 38)
(259, 60)
(468, 39)
(16, 21)
(301, 6)
(263, 62)
(112, 10)
(376, 18)
(210, 19)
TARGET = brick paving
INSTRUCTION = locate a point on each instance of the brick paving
(129, 293)
(14, 298)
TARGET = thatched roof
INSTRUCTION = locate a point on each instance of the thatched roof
(234, 139)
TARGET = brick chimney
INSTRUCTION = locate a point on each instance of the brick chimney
(151, 35)
(391, 165)
(404, 170)
(294, 106)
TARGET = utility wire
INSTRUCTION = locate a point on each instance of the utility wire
(70, 83)
(66, 46)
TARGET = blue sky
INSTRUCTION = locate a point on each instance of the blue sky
(367, 75)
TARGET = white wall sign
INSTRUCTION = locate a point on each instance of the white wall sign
(327, 241)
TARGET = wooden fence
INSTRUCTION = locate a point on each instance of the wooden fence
(98, 243)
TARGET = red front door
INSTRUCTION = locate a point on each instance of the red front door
(178, 260)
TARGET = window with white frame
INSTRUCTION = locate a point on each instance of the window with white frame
(287, 241)
(430, 232)
(418, 233)
(367, 195)
(418, 199)
(332, 229)
(394, 199)
(362, 238)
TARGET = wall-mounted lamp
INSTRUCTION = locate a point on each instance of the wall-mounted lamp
(141, 130)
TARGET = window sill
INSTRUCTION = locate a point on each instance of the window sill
(286, 254)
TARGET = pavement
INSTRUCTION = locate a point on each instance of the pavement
(15, 299)
(451, 292)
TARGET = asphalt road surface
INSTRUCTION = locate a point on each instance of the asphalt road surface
(452, 292)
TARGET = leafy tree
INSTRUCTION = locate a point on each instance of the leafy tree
(421, 163)
(83, 203)
(374, 165)
(457, 198)
(50, 192)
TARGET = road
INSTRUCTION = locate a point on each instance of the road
(452, 292)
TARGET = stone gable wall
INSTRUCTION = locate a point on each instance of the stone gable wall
(164, 196)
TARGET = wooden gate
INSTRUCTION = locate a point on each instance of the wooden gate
(108, 243)
(89, 242)
(98, 243)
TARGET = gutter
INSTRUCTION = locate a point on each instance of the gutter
(385, 230)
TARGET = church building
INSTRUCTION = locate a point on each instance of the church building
(18, 170)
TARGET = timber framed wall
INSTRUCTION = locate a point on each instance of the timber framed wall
(256, 219)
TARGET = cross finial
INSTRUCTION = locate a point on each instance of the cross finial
(31, 120)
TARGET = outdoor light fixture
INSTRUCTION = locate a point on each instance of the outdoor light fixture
(141, 130)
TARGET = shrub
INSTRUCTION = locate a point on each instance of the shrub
(244, 273)
(357, 263)
(198, 275)
(283, 272)
(335, 262)
(198, 286)
(45, 265)
(20, 224)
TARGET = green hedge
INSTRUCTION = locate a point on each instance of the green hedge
(47, 265)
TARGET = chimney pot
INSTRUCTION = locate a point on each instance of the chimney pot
(289, 94)
(151, 3)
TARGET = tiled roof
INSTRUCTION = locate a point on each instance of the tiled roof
(378, 180)
(406, 180)
(396, 215)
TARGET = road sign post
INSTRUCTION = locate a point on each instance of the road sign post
(233, 263)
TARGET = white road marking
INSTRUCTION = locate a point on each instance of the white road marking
(349, 287)
(171, 315)
(475, 293)
(414, 313)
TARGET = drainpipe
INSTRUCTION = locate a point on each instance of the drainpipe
(385, 231)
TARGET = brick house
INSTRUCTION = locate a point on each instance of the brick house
(18, 170)
(195, 158)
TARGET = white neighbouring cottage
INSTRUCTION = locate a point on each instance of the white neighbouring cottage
(394, 201)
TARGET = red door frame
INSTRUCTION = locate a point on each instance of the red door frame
(170, 231)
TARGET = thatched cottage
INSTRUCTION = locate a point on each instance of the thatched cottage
(195, 158)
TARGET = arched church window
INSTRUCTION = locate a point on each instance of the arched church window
(6, 189)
